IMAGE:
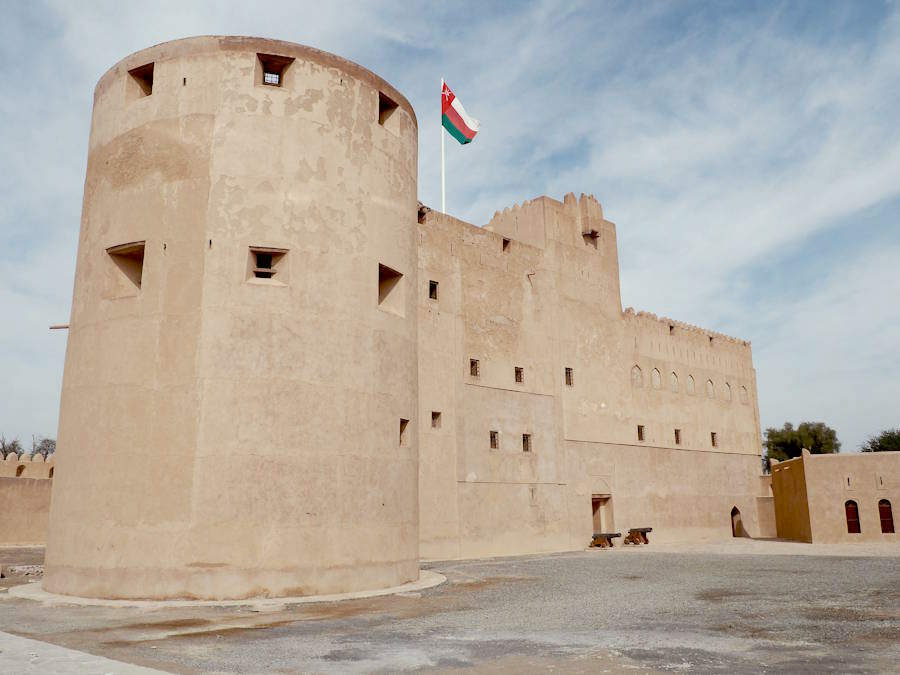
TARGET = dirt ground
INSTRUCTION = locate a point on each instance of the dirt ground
(741, 607)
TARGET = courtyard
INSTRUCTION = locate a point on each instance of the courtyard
(739, 607)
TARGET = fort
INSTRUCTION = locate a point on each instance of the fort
(285, 376)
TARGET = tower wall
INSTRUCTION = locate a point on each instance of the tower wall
(226, 432)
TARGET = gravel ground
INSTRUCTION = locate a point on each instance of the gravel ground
(635, 610)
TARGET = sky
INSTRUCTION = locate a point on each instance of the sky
(749, 154)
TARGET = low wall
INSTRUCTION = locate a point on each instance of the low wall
(24, 500)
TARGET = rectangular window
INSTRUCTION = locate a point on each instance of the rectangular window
(714, 439)
(526, 442)
(640, 432)
(272, 69)
(473, 367)
(390, 290)
(495, 440)
(386, 108)
(435, 419)
(267, 263)
(520, 375)
(570, 377)
(143, 78)
(129, 259)
(433, 290)
(403, 424)
(678, 437)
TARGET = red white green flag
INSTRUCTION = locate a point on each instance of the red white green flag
(455, 119)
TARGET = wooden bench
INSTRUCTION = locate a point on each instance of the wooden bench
(638, 535)
(604, 539)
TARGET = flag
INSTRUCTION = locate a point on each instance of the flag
(455, 119)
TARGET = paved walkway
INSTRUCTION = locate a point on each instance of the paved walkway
(22, 656)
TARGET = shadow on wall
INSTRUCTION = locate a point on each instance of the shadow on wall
(25, 500)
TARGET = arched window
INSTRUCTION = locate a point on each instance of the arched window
(673, 381)
(637, 377)
(886, 516)
(852, 512)
(690, 385)
(655, 379)
(727, 392)
(744, 397)
(20, 469)
(710, 389)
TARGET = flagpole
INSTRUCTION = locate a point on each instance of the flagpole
(443, 181)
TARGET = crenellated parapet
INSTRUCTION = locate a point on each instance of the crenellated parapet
(665, 325)
(16, 466)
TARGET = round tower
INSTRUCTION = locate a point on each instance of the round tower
(239, 396)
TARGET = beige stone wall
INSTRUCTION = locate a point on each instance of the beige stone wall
(791, 500)
(224, 435)
(538, 289)
(822, 484)
(25, 500)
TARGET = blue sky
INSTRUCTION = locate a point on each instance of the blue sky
(749, 154)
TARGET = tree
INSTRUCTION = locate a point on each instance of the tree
(45, 447)
(787, 442)
(8, 447)
(887, 441)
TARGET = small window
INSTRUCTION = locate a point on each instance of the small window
(267, 263)
(505, 245)
(433, 290)
(673, 381)
(129, 260)
(495, 440)
(886, 516)
(690, 385)
(520, 375)
(390, 290)
(727, 392)
(143, 78)
(570, 377)
(678, 437)
(526, 442)
(671, 329)
(655, 379)
(273, 69)
(386, 108)
(20, 470)
(851, 511)
(435, 419)
(403, 424)
(744, 396)
(473, 367)
(714, 439)
(710, 389)
(640, 432)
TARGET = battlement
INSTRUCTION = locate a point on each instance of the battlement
(667, 324)
(15, 466)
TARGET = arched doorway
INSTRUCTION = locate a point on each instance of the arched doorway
(886, 516)
(737, 527)
(851, 510)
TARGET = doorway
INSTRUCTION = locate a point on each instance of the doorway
(737, 526)
(601, 511)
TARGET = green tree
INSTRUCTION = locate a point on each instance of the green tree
(788, 442)
(887, 441)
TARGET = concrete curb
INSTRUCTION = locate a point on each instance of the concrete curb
(34, 591)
